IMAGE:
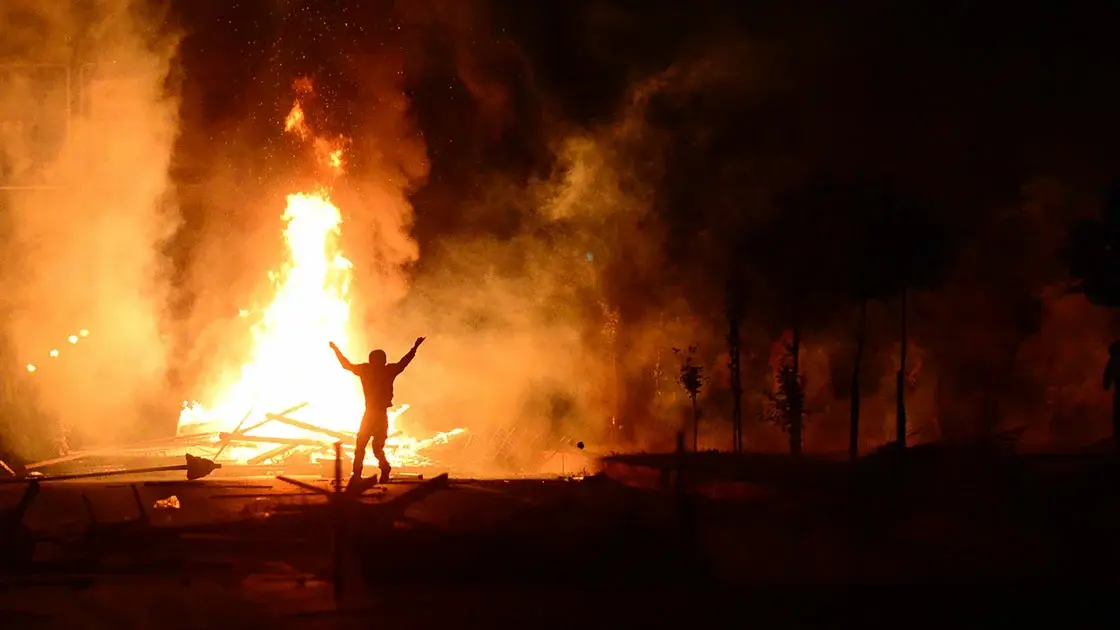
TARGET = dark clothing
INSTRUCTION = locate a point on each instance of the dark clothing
(377, 382)
(375, 425)
(377, 385)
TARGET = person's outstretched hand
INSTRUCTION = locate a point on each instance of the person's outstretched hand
(419, 340)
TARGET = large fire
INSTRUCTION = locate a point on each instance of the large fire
(292, 387)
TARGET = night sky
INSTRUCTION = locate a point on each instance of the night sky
(967, 101)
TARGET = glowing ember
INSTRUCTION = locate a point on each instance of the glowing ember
(294, 123)
(291, 370)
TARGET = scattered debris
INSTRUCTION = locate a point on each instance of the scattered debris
(196, 467)
(260, 508)
(273, 454)
(307, 426)
(171, 502)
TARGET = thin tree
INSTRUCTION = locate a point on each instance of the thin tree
(921, 249)
(692, 379)
(785, 400)
(734, 308)
(800, 250)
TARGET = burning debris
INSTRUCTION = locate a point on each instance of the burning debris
(288, 367)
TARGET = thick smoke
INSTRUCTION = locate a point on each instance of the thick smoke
(86, 206)
(556, 230)
(524, 337)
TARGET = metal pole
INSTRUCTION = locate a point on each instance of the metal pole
(337, 538)
(111, 473)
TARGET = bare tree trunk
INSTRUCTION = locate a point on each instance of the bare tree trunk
(900, 384)
(695, 425)
(733, 305)
(610, 330)
(797, 401)
(736, 387)
(861, 340)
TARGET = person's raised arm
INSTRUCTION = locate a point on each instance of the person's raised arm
(399, 366)
(342, 360)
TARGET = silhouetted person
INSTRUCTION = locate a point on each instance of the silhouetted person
(1111, 374)
(377, 385)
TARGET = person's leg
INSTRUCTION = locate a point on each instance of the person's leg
(360, 444)
(380, 434)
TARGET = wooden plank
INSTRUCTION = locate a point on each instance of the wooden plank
(144, 445)
(260, 439)
(307, 426)
(306, 486)
(236, 429)
(276, 452)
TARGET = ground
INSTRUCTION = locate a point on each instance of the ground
(595, 551)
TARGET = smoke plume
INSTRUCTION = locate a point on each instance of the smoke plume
(92, 118)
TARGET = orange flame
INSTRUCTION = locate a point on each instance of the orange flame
(290, 366)
(296, 122)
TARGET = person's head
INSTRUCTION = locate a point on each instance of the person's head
(377, 357)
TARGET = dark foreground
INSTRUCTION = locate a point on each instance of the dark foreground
(592, 552)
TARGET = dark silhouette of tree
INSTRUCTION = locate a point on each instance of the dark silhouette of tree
(870, 269)
(863, 239)
(692, 379)
(734, 309)
(897, 243)
(797, 249)
(1093, 256)
(785, 401)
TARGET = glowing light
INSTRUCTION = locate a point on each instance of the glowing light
(54, 353)
(295, 121)
(31, 367)
(289, 364)
(72, 339)
(83, 332)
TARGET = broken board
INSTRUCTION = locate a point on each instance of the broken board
(361, 484)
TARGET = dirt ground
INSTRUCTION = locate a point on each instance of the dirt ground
(591, 552)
